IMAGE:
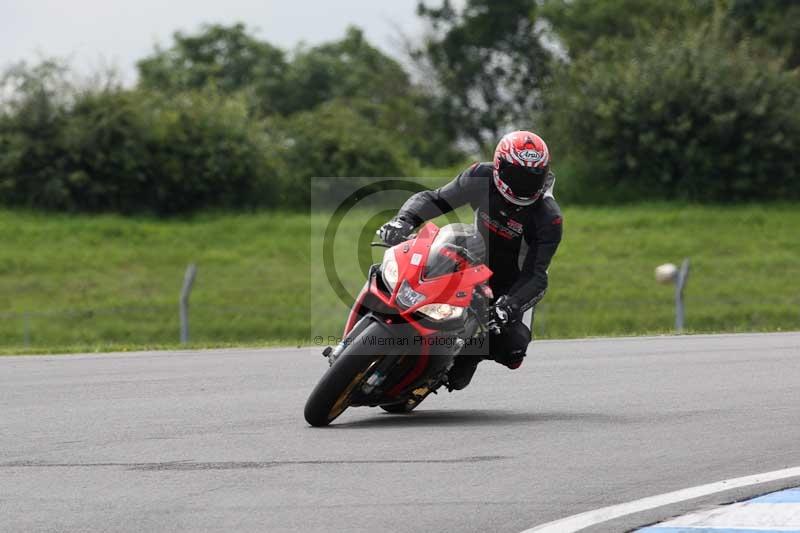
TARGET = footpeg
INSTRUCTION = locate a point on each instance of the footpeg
(327, 352)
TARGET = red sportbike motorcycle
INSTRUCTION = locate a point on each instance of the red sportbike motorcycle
(417, 310)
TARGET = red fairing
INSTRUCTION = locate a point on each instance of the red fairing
(352, 318)
(454, 289)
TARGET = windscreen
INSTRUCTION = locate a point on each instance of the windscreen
(456, 247)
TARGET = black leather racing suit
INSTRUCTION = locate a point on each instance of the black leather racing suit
(520, 242)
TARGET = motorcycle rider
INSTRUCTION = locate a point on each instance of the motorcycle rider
(517, 215)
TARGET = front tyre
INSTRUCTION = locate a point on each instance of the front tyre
(332, 394)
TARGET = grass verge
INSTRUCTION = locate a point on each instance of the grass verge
(104, 283)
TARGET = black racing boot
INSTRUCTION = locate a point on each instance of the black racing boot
(462, 371)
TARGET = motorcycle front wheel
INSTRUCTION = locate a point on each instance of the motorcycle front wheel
(332, 394)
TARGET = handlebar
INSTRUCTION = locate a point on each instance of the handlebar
(384, 245)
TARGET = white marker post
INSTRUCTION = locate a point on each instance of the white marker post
(669, 273)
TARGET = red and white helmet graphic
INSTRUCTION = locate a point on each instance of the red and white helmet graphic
(521, 165)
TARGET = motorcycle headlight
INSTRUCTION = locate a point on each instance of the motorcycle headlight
(408, 297)
(389, 271)
(441, 311)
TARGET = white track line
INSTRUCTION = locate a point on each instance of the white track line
(591, 518)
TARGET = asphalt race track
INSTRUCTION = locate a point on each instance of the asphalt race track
(216, 441)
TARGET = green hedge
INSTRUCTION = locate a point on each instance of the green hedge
(134, 151)
(696, 118)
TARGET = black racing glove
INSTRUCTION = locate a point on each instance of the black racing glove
(501, 313)
(395, 231)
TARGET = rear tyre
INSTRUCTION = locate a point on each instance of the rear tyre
(332, 394)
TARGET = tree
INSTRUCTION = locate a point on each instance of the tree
(226, 56)
(354, 74)
(487, 64)
(119, 150)
(695, 117)
(33, 115)
(349, 71)
(333, 140)
(775, 21)
(583, 25)
(347, 68)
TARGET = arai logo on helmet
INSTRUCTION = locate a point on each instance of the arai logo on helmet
(531, 156)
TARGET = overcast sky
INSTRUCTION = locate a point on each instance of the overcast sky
(97, 33)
